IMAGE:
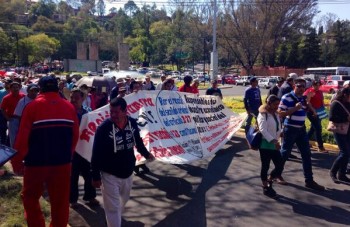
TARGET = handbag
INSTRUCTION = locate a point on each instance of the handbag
(340, 128)
(254, 138)
(321, 112)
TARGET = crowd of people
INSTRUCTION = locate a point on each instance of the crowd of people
(281, 122)
(35, 112)
(31, 123)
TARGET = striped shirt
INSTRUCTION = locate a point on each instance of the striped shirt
(288, 101)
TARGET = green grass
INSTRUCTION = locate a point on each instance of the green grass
(11, 208)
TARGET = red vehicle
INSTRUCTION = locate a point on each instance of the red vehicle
(331, 86)
(229, 79)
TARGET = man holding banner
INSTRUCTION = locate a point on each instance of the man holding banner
(113, 159)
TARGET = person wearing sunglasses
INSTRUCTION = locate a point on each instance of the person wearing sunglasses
(293, 107)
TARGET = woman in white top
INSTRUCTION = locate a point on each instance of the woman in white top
(270, 128)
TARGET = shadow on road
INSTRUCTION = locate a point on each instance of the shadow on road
(332, 215)
(194, 212)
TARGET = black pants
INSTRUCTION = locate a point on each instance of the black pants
(81, 166)
(3, 129)
(266, 156)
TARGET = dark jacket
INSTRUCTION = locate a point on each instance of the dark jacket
(48, 132)
(284, 89)
(337, 114)
(116, 155)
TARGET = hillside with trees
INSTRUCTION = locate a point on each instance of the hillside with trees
(249, 32)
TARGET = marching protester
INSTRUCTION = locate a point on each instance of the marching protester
(195, 86)
(113, 159)
(3, 121)
(275, 89)
(339, 113)
(32, 92)
(8, 106)
(127, 84)
(214, 90)
(46, 139)
(121, 92)
(293, 107)
(86, 99)
(270, 128)
(115, 89)
(186, 87)
(167, 85)
(345, 85)
(317, 102)
(80, 166)
(148, 84)
(135, 86)
(286, 87)
(162, 79)
(252, 102)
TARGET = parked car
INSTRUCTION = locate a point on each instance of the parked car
(267, 82)
(203, 77)
(244, 80)
(229, 79)
(142, 70)
(331, 86)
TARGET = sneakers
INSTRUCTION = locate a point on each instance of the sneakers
(322, 150)
(343, 178)
(278, 180)
(93, 202)
(313, 185)
(334, 177)
(269, 191)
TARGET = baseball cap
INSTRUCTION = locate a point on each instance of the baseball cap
(48, 84)
(252, 79)
(120, 81)
(32, 86)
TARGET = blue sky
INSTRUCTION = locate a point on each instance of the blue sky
(338, 7)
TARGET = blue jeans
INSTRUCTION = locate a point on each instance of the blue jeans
(249, 119)
(341, 162)
(297, 135)
(315, 127)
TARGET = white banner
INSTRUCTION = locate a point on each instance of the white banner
(176, 127)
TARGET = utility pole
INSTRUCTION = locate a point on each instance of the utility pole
(214, 54)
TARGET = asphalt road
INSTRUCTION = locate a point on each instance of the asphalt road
(225, 191)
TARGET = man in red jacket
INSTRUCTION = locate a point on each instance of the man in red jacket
(46, 139)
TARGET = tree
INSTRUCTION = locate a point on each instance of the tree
(130, 7)
(5, 46)
(254, 28)
(39, 47)
(44, 24)
(44, 8)
(101, 8)
(161, 35)
(311, 49)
